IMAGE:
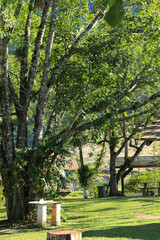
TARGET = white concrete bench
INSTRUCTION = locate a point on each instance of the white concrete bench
(42, 212)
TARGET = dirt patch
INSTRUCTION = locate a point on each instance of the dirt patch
(146, 216)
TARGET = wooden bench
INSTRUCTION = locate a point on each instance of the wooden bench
(64, 235)
(64, 193)
(147, 189)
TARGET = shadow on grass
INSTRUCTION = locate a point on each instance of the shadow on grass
(102, 209)
(10, 231)
(75, 205)
(73, 218)
(82, 201)
(144, 232)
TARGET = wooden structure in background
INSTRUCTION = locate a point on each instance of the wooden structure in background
(150, 134)
(141, 162)
(72, 165)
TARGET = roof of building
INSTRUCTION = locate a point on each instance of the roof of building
(152, 132)
(71, 164)
(141, 162)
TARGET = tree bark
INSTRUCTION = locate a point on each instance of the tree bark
(44, 90)
(14, 197)
(27, 81)
(113, 181)
(5, 106)
(13, 192)
(113, 155)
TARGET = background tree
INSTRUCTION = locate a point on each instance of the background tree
(131, 80)
(136, 181)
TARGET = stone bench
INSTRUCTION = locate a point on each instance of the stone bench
(42, 212)
(64, 235)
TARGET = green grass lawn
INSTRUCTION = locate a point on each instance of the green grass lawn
(107, 218)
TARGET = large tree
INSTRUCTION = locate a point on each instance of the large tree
(54, 86)
(37, 39)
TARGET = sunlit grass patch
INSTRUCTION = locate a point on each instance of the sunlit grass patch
(116, 218)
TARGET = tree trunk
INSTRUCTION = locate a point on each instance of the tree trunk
(22, 130)
(14, 196)
(113, 180)
(84, 192)
(12, 190)
(44, 90)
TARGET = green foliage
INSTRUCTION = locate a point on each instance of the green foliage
(136, 181)
(7, 18)
(84, 173)
(63, 215)
(115, 14)
(42, 167)
(88, 179)
(113, 140)
(92, 189)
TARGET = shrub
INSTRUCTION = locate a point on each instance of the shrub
(136, 181)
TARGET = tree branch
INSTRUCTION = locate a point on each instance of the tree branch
(139, 104)
(36, 54)
(140, 76)
(138, 114)
(44, 91)
(55, 71)
(18, 8)
(135, 130)
(24, 59)
(16, 14)
(49, 128)
(14, 95)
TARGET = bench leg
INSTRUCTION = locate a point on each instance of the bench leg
(56, 214)
(41, 215)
